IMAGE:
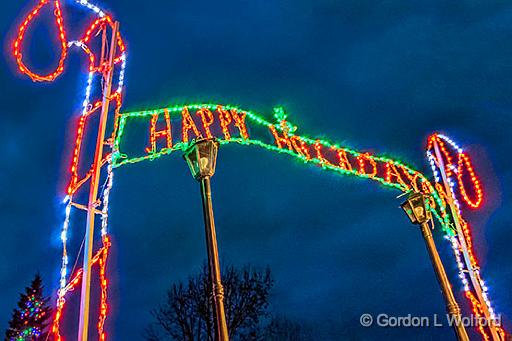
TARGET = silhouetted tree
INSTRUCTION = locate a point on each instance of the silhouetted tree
(30, 319)
(188, 313)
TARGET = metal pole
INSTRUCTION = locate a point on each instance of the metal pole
(213, 260)
(451, 305)
(462, 240)
(85, 296)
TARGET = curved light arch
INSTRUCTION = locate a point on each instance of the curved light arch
(220, 122)
(233, 125)
(280, 137)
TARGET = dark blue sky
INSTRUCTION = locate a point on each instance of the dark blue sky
(376, 75)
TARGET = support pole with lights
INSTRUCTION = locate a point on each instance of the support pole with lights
(85, 296)
(473, 275)
(416, 210)
(201, 157)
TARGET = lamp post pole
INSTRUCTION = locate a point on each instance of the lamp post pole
(213, 259)
(201, 158)
(451, 305)
(416, 210)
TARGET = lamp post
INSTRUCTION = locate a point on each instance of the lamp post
(201, 157)
(416, 210)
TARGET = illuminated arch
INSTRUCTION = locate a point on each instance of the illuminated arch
(172, 129)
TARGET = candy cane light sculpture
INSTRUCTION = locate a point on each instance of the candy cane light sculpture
(455, 186)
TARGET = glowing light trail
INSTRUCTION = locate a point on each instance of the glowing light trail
(172, 129)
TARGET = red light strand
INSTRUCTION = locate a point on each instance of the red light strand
(207, 120)
(225, 121)
(155, 134)
(104, 285)
(17, 47)
(239, 119)
(362, 158)
(74, 281)
(393, 174)
(463, 165)
(188, 124)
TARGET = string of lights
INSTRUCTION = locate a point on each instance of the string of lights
(89, 108)
(18, 43)
(72, 284)
(389, 172)
(450, 151)
(182, 124)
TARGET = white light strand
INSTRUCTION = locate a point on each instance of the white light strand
(477, 273)
(106, 195)
(460, 265)
(64, 239)
(432, 162)
(88, 89)
(454, 240)
(121, 74)
(68, 200)
(76, 43)
(92, 7)
(451, 142)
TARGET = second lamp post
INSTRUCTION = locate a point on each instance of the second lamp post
(201, 157)
(416, 209)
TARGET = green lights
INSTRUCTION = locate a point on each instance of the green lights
(278, 136)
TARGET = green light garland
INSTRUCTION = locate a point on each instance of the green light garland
(281, 126)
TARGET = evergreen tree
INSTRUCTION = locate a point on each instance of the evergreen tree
(30, 319)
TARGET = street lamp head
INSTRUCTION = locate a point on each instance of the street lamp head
(416, 209)
(201, 158)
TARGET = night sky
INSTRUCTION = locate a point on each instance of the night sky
(374, 75)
